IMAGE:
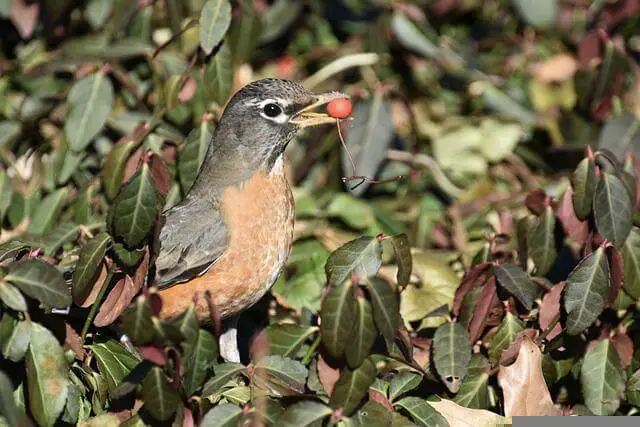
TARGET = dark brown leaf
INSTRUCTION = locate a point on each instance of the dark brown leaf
(616, 267)
(116, 302)
(572, 226)
(473, 278)
(488, 298)
(95, 290)
(549, 308)
(624, 347)
(159, 174)
(327, 374)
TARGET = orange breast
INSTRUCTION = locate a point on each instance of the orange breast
(259, 215)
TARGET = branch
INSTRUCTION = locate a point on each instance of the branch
(427, 162)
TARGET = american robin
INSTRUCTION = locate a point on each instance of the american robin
(232, 233)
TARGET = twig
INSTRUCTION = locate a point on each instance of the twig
(173, 38)
(425, 161)
(362, 178)
(339, 65)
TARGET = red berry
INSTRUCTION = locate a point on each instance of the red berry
(339, 108)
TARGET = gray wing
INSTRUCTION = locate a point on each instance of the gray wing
(193, 236)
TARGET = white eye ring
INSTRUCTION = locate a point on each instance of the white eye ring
(267, 104)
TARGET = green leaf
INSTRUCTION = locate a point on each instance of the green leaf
(631, 254)
(602, 378)
(64, 232)
(586, 291)
(361, 257)
(98, 12)
(11, 296)
(402, 249)
(302, 414)
(612, 207)
(280, 376)
(372, 414)
(337, 314)
(437, 287)
(506, 333)
(137, 323)
(474, 392)
(369, 137)
(421, 412)
(352, 387)
(114, 361)
(8, 410)
(215, 18)
(192, 155)
(133, 212)
(280, 16)
(15, 336)
(201, 358)
(218, 75)
(114, 165)
(362, 336)
(47, 376)
(451, 354)
(584, 187)
(41, 281)
(541, 241)
(541, 14)
(88, 265)
(129, 257)
(286, 339)
(223, 415)
(386, 307)
(517, 282)
(6, 193)
(90, 102)
(411, 38)
(223, 374)
(12, 248)
(45, 214)
(356, 213)
(160, 399)
(620, 133)
(403, 383)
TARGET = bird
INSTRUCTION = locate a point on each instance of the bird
(233, 230)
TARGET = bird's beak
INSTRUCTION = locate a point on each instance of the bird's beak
(306, 118)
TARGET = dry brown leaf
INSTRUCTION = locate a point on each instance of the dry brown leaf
(328, 375)
(24, 17)
(558, 68)
(624, 346)
(523, 386)
(459, 416)
(549, 308)
(95, 290)
(117, 301)
(73, 342)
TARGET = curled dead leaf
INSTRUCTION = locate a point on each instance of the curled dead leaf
(523, 386)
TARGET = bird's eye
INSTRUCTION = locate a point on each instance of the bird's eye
(272, 110)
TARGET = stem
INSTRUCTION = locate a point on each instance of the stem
(96, 303)
(424, 161)
(339, 65)
(307, 357)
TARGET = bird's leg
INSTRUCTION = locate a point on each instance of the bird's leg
(228, 341)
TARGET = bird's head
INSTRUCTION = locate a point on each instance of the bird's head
(262, 118)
